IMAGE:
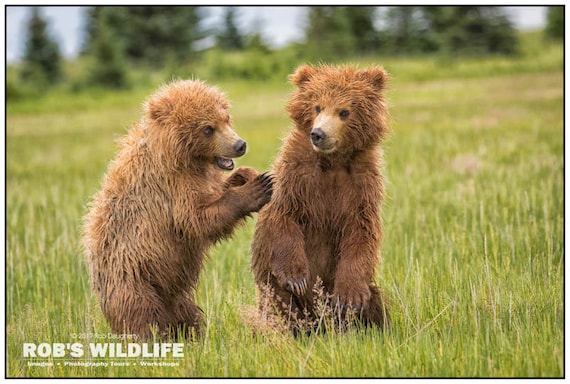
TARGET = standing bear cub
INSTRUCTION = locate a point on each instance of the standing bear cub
(164, 201)
(323, 221)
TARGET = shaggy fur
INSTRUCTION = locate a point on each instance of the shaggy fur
(163, 202)
(324, 217)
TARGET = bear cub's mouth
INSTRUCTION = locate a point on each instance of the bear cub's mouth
(225, 163)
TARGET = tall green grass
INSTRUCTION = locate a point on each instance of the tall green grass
(473, 257)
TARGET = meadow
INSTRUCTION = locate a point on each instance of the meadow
(472, 257)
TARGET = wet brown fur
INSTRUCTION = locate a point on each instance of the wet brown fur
(163, 203)
(324, 217)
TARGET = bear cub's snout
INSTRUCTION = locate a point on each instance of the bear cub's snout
(318, 136)
(240, 147)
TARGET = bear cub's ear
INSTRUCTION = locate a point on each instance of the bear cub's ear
(158, 108)
(376, 76)
(302, 75)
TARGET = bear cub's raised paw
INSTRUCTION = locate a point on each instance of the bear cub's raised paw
(254, 189)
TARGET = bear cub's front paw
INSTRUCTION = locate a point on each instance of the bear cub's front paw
(296, 278)
(241, 176)
(258, 191)
(352, 296)
(262, 189)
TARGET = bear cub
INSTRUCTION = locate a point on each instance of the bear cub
(164, 200)
(323, 222)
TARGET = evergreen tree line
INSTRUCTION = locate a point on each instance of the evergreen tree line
(161, 35)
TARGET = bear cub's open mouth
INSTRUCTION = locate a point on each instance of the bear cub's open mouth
(225, 163)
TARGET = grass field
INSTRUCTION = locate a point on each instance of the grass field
(473, 254)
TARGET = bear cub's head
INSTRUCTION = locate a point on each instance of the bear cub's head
(192, 123)
(340, 109)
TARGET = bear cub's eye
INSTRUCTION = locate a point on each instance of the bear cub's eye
(209, 130)
(344, 114)
(318, 109)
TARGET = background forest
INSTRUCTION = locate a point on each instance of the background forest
(125, 45)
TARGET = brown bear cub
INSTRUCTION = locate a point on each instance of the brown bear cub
(323, 222)
(164, 200)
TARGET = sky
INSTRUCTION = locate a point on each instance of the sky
(280, 25)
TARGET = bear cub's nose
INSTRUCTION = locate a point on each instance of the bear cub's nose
(240, 147)
(318, 136)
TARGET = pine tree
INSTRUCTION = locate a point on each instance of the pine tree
(407, 31)
(42, 59)
(361, 26)
(329, 33)
(229, 37)
(149, 34)
(337, 32)
(472, 30)
(109, 69)
(555, 23)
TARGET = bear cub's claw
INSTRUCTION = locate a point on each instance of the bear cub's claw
(266, 179)
(299, 288)
(354, 298)
(260, 191)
